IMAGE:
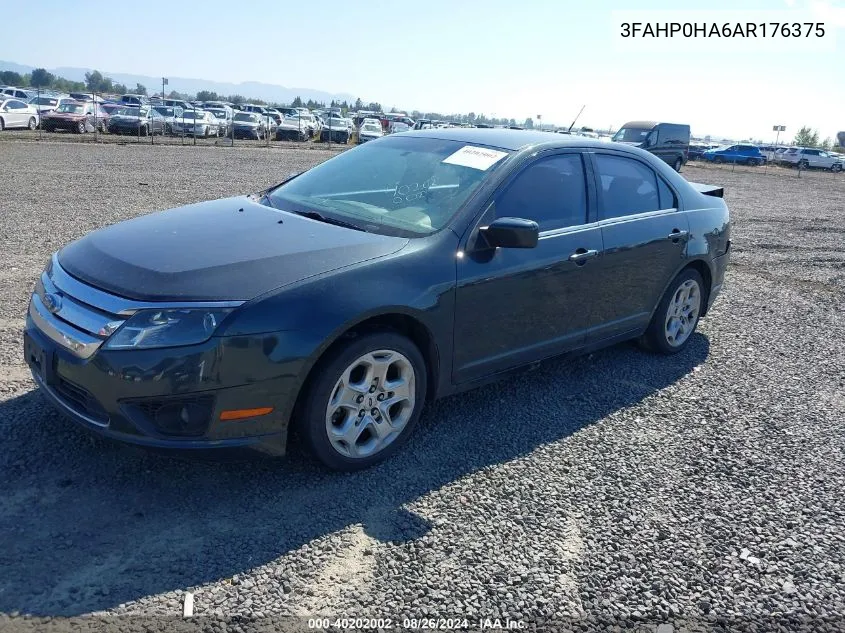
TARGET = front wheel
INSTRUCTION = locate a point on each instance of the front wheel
(836, 168)
(753, 162)
(678, 164)
(143, 130)
(32, 124)
(80, 127)
(363, 401)
(676, 317)
(718, 160)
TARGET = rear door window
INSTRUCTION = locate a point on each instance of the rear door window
(628, 187)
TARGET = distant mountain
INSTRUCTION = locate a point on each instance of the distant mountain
(249, 89)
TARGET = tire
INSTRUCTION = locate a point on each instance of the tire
(143, 130)
(2, 124)
(81, 127)
(718, 160)
(32, 124)
(317, 415)
(753, 162)
(802, 164)
(664, 324)
(836, 168)
(677, 165)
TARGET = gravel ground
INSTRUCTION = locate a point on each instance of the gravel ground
(702, 490)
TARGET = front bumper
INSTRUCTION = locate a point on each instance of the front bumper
(60, 124)
(170, 398)
(124, 128)
(243, 132)
(136, 396)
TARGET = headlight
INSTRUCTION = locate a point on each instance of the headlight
(166, 328)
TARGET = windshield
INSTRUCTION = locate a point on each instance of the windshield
(631, 135)
(245, 116)
(191, 114)
(220, 114)
(44, 101)
(164, 110)
(371, 128)
(398, 186)
(73, 108)
(131, 112)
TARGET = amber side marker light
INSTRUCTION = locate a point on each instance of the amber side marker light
(241, 414)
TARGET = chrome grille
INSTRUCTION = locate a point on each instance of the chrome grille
(80, 317)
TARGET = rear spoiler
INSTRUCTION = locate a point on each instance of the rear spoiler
(709, 190)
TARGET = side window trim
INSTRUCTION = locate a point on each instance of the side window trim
(591, 157)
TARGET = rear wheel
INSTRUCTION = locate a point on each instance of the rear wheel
(2, 124)
(803, 164)
(678, 164)
(32, 124)
(363, 401)
(676, 317)
(143, 130)
(753, 162)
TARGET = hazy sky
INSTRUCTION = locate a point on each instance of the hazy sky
(514, 58)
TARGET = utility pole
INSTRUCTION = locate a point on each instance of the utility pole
(163, 84)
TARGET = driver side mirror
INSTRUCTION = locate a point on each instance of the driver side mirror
(511, 233)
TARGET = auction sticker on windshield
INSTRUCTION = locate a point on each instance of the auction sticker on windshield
(475, 157)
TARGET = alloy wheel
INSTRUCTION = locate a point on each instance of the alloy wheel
(682, 313)
(371, 403)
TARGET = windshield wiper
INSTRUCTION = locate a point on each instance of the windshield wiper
(315, 215)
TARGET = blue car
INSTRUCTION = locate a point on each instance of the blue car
(741, 154)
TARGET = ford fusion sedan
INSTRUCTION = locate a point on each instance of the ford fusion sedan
(342, 300)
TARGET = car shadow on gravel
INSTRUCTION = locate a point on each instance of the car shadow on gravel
(88, 525)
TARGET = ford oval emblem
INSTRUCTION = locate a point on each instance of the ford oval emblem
(52, 302)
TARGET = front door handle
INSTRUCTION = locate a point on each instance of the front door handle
(676, 235)
(581, 256)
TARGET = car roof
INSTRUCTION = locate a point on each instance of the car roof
(506, 138)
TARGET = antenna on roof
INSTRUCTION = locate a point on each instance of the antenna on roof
(576, 118)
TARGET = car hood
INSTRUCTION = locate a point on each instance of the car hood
(226, 250)
(117, 118)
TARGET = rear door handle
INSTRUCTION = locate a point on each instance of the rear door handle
(676, 235)
(581, 255)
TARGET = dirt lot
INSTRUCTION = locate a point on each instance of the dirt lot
(622, 486)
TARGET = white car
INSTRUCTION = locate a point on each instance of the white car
(48, 103)
(812, 158)
(196, 123)
(16, 113)
(20, 94)
(398, 126)
(370, 131)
